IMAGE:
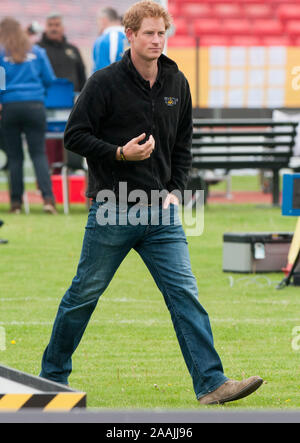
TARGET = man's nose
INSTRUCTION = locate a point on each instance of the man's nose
(156, 39)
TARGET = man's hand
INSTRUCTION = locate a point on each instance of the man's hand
(171, 198)
(133, 151)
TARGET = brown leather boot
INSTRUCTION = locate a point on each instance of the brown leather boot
(231, 390)
(49, 206)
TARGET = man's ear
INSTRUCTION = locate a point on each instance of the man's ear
(129, 34)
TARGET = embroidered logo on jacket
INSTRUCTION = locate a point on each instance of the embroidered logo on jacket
(171, 101)
(70, 53)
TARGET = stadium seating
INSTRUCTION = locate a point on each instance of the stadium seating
(263, 21)
(238, 22)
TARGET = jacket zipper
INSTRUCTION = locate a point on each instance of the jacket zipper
(152, 131)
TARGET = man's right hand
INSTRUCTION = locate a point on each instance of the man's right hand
(133, 151)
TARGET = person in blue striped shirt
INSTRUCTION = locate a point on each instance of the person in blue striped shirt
(109, 47)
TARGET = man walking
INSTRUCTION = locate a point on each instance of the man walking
(133, 123)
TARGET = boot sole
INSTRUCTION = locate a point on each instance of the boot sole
(252, 387)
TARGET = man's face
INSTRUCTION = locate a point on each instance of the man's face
(54, 29)
(149, 41)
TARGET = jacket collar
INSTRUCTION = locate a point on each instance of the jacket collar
(55, 43)
(165, 66)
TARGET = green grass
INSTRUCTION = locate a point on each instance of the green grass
(129, 356)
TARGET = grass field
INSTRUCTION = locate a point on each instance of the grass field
(129, 356)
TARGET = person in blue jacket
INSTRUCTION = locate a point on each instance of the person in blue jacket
(109, 47)
(28, 74)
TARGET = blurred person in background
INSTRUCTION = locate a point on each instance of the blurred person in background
(67, 63)
(33, 31)
(110, 45)
(64, 57)
(2, 242)
(28, 74)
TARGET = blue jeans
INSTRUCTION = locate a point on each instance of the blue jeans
(163, 248)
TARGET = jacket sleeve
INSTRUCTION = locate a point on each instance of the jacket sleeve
(84, 124)
(181, 160)
(80, 71)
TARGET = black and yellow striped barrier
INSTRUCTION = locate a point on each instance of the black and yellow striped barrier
(46, 402)
(38, 393)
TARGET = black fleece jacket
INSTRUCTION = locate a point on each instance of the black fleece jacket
(116, 105)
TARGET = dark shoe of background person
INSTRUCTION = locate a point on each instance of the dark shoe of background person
(15, 208)
(2, 242)
(49, 207)
(232, 390)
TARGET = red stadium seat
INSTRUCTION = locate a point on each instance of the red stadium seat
(258, 11)
(174, 9)
(245, 40)
(227, 10)
(207, 26)
(296, 41)
(214, 40)
(277, 40)
(235, 26)
(288, 11)
(196, 10)
(266, 27)
(270, 2)
(293, 27)
(181, 26)
(224, 1)
(181, 41)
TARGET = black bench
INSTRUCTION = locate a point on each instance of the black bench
(228, 144)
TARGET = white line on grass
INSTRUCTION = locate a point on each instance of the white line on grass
(150, 322)
(102, 299)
